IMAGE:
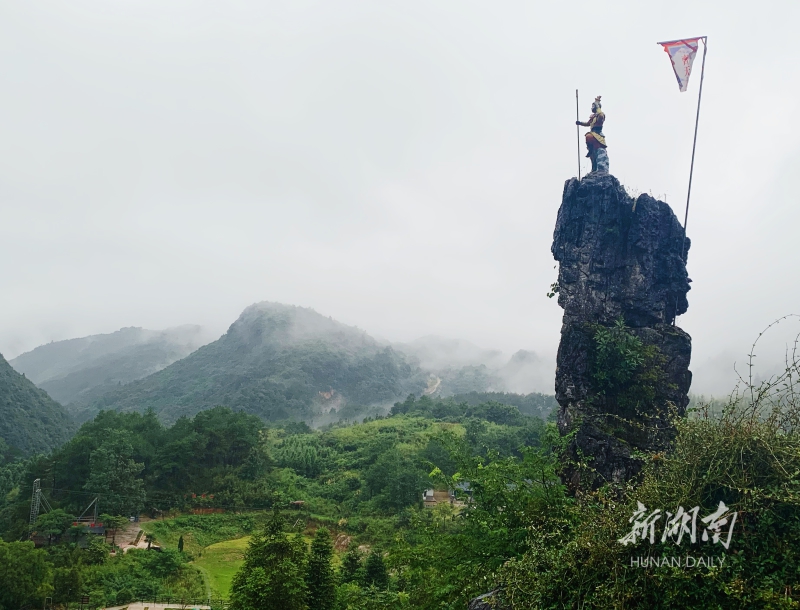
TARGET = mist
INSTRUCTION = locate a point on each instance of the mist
(396, 166)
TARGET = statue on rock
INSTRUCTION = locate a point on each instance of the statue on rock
(595, 140)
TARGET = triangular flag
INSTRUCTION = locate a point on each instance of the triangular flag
(681, 54)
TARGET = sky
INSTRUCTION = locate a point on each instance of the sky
(395, 165)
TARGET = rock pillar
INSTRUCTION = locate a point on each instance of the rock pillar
(619, 260)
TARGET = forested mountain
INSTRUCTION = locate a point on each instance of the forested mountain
(80, 370)
(276, 361)
(30, 421)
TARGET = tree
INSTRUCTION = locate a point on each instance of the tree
(96, 550)
(395, 480)
(54, 523)
(320, 578)
(25, 574)
(350, 569)
(67, 583)
(112, 523)
(115, 475)
(180, 544)
(375, 573)
(272, 576)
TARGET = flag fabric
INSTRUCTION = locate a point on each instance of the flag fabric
(681, 54)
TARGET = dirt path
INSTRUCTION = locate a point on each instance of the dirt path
(433, 385)
(127, 535)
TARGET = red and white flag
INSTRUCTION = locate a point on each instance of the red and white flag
(681, 54)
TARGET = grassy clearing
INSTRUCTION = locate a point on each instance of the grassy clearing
(220, 562)
(216, 543)
(201, 531)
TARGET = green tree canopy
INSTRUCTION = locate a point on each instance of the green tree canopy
(351, 568)
(273, 574)
(54, 523)
(375, 573)
(114, 475)
(25, 575)
(320, 578)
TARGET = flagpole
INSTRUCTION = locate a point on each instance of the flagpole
(578, 131)
(694, 147)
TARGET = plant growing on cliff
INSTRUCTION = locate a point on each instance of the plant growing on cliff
(626, 372)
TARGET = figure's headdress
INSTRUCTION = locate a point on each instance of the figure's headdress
(597, 101)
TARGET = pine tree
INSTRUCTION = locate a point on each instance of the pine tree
(320, 578)
(272, 576)
(375, 571)
(350, 569)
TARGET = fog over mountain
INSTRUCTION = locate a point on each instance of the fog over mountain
(396, 165)
(79, 370)
(277, 361)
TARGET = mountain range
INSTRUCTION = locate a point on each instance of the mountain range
(30, 421)
(81, 370)
(276, 361)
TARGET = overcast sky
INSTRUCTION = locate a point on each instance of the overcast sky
(395, 165)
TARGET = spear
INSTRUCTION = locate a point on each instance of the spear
(578, 131)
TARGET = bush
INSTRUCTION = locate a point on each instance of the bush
(747, 457)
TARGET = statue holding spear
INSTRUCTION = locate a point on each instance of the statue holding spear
(595, 140)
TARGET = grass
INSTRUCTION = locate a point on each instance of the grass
(202, 531)
(220, 562)
(217, 542)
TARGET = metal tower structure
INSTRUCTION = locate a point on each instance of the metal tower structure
(36, 500)
(92, 519)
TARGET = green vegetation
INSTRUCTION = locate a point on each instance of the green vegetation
(30, 421)
(334, 518)
(534, 404)
(66, 571)
(272, 363)
(25, 573)
(274, 570)
(362, 482)
(220, 562)
(627, 373)
(320, 578)
(201, 532)
(77, 371)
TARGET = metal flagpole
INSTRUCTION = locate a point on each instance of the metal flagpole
(694, 146)
(578, 131)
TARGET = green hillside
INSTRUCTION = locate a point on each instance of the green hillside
(76, 372)
(30, 421)
(276, 361)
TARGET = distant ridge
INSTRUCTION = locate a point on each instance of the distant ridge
(81, 370)
(30, 421)
(275, 361)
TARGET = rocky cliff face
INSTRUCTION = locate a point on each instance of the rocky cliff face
(619, 260)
